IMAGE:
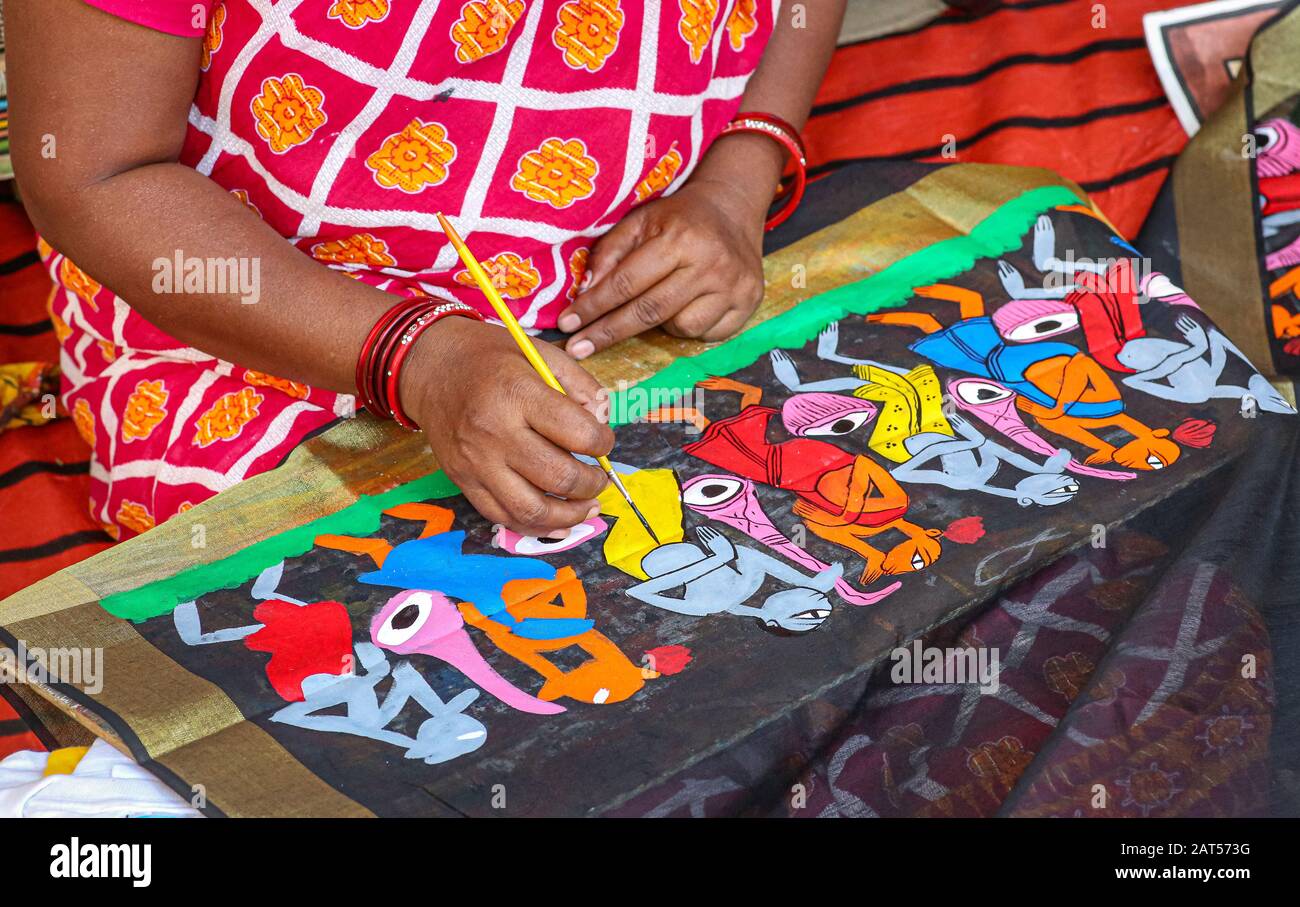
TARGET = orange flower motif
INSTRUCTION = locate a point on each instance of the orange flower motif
(513, 276)
(185, 505)
(134, 516)
(416, 157)
(484, 27)
(107, 350)
(588, 32)
(113, 532)
(359, 249)
(84, 420)
(212, 39)
(577, 269)
(661, 174)
(358, 13)
(288, 112)
(295, 389)
(742, 23)
(227, 417)
(696, 25)
(145, 408)
(559, 173)
(79, 282)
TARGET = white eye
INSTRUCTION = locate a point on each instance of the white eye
(1267, 136)
(531, 544)
(978, 392)
(406, 619)
(841, 426)
(1044, 326)
(710, 491)
(1161, 287)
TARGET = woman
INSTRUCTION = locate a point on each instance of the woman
(231, 196)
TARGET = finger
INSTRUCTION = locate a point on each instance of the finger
(699, 317)
(577, 382)
(530, 512)
(569, 426)
(640, 270)
(651, 307)
(614, 246)
(727, 326)
(554, 470)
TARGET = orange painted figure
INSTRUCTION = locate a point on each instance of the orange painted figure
(842, 497)
(534, 602)
(1064, 389)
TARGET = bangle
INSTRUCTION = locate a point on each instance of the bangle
(386, 345)
(367, 392)
(788, 137)
(413, 327)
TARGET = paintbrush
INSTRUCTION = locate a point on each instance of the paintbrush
(529, 349)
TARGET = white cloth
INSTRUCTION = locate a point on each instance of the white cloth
(105, 784)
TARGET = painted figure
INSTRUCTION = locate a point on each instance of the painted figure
(1277, 163)
(606, 676)
(447, 733)
(1064, 389)
(931, 448)
(844, 498)
(314, 668)
(733, 501)
(715, 577)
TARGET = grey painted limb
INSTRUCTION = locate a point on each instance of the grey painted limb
(189, 628)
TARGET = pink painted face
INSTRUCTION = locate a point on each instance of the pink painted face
(992, 402)
(1027, 320)
(414, 621)
(821, 414)
(530, 545)
(724, 498)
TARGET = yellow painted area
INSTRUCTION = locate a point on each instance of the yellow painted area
(659, 499)
(62, 762)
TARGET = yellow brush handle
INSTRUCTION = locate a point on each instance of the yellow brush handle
(521, 338)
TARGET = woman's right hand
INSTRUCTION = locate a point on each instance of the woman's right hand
(500, 433)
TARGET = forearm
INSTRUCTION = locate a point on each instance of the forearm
(784, 84)
(295, 317)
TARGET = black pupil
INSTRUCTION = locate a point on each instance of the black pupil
(843, 425)
(714, 491)
(1048, 325)
(405, 617)
(985, 394)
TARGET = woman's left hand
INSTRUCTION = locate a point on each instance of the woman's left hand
(691, 262)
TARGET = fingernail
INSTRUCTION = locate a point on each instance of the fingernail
(558, 535)
(569, 323)
(594, 511)
(586, 280)
(582, 349)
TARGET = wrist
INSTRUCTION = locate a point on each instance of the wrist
(429, 366)
(744, 169)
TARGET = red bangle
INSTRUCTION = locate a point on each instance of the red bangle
(417, 325)
(367, 393)
(379, 364)
(784, 133)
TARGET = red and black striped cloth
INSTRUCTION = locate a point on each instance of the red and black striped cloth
(1063, 84)
(44, 482)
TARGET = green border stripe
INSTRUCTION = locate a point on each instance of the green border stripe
(1001, 232)
(360, 517)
